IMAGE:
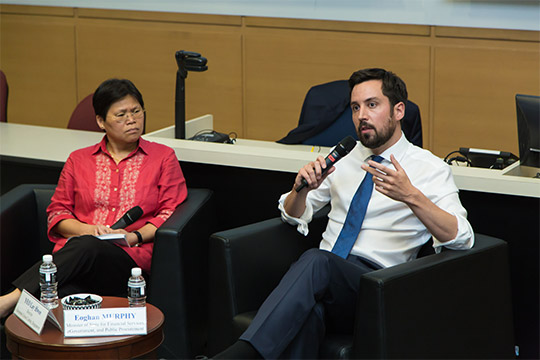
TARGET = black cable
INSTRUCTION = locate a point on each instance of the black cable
(204, 131)
(446, 157)
(232, 137)
(207, 134)
(461, 158)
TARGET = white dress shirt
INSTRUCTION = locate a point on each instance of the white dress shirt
(391, 234)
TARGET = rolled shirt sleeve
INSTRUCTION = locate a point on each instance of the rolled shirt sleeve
(302, 222)
(465, 235)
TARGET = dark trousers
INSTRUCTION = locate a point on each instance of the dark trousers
(318, 293)
(84, 265)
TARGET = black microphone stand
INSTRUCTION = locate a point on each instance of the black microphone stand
(186, 60)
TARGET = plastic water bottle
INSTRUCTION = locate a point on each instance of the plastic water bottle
(48, 283)
(136, 288)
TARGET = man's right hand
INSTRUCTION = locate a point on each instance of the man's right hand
(295, 203)
(313, 174)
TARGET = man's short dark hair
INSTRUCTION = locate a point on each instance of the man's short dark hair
(112, 90)
(392, 86)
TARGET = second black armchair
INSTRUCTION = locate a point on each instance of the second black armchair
(455, 304)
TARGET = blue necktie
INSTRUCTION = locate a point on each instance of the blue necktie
(355, 216)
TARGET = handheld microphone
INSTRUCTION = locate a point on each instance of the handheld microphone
(129, 218)
(341, 149)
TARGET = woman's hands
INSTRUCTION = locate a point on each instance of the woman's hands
(72, 227)
(131, 238)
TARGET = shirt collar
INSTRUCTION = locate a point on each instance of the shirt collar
(398, 150)
(102, 146)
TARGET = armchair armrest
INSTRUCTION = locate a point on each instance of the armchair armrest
(246, 264)
(456, 304)
(23, 229)
(179, 274)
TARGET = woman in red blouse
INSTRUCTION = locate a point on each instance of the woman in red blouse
(98, 184)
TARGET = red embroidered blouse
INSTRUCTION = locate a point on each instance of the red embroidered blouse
(95, 190)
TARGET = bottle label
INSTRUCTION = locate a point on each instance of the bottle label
(136, 291)
(48, 277)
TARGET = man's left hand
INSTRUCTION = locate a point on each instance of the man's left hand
(393, 183)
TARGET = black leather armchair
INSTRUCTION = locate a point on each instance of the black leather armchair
(456, 304)
(179, 275)
(177, 284)
(23, 230)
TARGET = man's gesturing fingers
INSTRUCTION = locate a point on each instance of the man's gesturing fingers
(392, 183)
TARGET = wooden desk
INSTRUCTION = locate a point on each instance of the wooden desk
(45, 146)
(24, 343)
(499, 204)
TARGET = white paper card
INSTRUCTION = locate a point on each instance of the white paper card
(119, 239)
(33, 313)
(116, 238)
(54, 320)
(105, 322)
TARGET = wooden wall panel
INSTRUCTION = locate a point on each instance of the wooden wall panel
(281, 66)
(474, 92)
(144, 53)
(260, 69)
(342, 26)
(38, 57)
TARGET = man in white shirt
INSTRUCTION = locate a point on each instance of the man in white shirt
(414, 199)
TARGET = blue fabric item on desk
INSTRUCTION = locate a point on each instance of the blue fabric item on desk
(326, 118)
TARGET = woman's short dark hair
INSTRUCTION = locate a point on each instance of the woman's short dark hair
(112, 90)
(392, 86)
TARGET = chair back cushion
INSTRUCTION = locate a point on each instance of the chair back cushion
(3, 97)
(84, 117)
(326, 118)
(322, 105)
(335, 132)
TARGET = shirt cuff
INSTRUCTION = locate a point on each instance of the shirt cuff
(54, 219)
(158, 220)
(301, 222)
(463, 241)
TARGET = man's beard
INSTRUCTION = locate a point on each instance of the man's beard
(376, 139)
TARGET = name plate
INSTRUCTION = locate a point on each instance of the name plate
(105, 322)
(33, 313)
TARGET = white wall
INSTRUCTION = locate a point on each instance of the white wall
(501, 14)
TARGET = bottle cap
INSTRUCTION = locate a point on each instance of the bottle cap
(47, 258)
(136, 271)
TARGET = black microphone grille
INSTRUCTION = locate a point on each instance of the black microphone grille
(347, 144)
(135, 213)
